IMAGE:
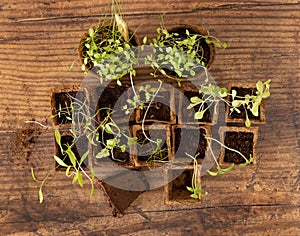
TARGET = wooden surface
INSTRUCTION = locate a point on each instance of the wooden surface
(37, 45)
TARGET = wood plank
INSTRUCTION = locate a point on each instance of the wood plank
(247, 220)
(38, 41)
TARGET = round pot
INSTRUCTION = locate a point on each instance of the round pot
(207, 52)
(105, 34)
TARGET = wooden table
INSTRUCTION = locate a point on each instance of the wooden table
(38, 41)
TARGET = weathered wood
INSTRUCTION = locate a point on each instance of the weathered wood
(247, 220)
(38, 41)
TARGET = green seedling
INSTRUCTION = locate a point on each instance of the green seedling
(195, 189)
(212, 94)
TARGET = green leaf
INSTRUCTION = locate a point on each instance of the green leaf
(196, 99)
(84, 156)
(254, 109)
(119, 83)
(168, 49)
(92, 190)
(41, 196)
(218, 45)
(213, 173)
(153, 90)
(91, 32)
(68, 171)
(247, 162)
(103, 153)
(260, 87)
(223, 171)
(247, 122)
(133, 72)
(195, 196)
(80, 181)
(190, 189)
(144, 40)
(33, 175)
(266, 94)
(57, 137)
(123, 148)
(60, 161)
(233, 94)
(108, 129)
(199, 115)
(236, 103)
(111, 143)
(130, 141)
(93, 173)
(158, 141)
(75, 178)
(208, 41)
(223, 92)
(71, 156)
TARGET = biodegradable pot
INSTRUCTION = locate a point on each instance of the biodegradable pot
(241, 139)
(207, 54)
(112, 98)
(82, 49)
(116, 157)
(60, 98)
(175, 192)
(186, 116)
(189, 139)
(242, 89)
(161, 109)
(140, 152)
(81, 146)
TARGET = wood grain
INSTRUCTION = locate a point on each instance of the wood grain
(38, 41)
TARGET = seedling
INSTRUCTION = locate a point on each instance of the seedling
(212, 94)
(180, 52)
(195, 189)
(221, 170)
(250, 102)
(108, 126)
(74, 170)
(109, 47)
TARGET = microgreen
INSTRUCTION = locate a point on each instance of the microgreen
(195, 188)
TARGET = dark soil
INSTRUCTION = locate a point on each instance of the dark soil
(188, 115)
(159, 110)
(23, 144)
(141, 139)
(108, 99)
(78, 149)
(191, 141)
(177, 188)
(240, 141)
(242, 115)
